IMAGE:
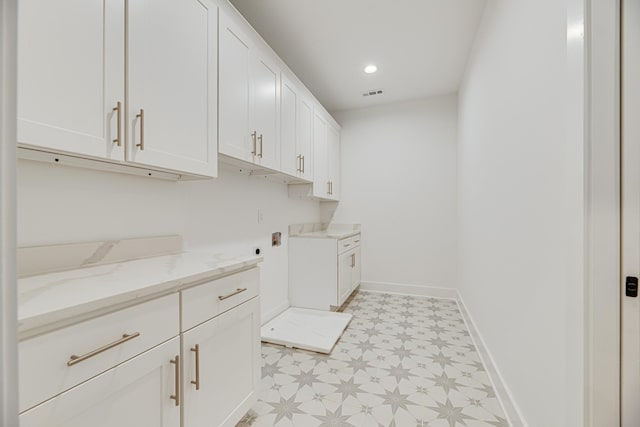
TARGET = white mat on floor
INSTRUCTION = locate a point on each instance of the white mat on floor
(306, 329)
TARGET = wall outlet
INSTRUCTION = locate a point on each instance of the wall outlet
(260, 216)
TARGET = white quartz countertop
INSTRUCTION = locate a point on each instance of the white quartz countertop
(54, 300)
(329, 234)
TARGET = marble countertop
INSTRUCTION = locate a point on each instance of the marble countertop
(50, 301)
(324, 231)
(328, 234)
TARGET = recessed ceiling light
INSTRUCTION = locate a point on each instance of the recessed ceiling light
(369, 69)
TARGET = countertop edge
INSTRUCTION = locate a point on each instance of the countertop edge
(41, 324)
(327, 236)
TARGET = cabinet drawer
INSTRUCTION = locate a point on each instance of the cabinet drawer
(348, 243)
(57, 361)
(203, 302)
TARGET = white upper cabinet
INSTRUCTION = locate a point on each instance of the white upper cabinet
(290, 161)
(71, 76)
(71, 90)
(172, 72)
(321, 183)
(234, 81)
(265, 114)
(333, 160)
(249, 97)
(296, 127)
(304, 141)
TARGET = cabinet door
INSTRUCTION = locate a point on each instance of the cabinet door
(345, 266)
(71, 75)
(320, 157)
(235, 136)
(305, 136)
(265, 114)
(333, 143)
(133, 394)
(228, 362)
(356, 273)
(172, 70)
(290, 158)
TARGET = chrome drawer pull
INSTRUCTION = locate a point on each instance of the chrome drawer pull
(140, 116)
(253, 139)
(236, 292)
(118, 109)
(196, 350)
(176, 396)
(77, 359)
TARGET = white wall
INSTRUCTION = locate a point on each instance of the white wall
(398, 180)
(520, 205)
(61, 204)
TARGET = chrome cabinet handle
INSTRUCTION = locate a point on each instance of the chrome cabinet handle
(302, 164)
(329, 187)
(118, 109)
(236, 292)
(299, 163)
(77, 359)
(253, 138)
(196, 350)
(353, 260)
(140, 115)
(176, 396)
(260, 139)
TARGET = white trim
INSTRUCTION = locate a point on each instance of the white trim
(602, 240)
(511, 409)
(400, 288)
(266, 317)
(8, 291)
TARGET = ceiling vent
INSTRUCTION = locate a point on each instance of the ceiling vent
(373, 92)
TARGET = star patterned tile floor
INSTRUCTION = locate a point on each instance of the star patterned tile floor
(404, 361)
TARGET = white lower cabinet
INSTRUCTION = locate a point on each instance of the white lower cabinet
(222, 367)
(323, 272)
(136, 367)
(136, 393)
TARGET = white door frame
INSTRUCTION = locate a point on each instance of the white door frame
(8, 301)
(602, 188)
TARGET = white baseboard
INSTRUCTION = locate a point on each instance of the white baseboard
(273, 313)
(399, 288)
(511, 409)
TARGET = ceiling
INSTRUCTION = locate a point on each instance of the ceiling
(420, 46)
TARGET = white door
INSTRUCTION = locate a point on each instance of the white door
(133, 394)
(357, 268)
(630, 325)
(290, 159)
(333, 143)
(265, 114)
(224, 386)
(235, 136)
(71, 76)
(172, 71)
(305, 136)
(320, 157)
(345, 267)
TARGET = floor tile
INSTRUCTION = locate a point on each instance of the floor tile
(404, 361)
